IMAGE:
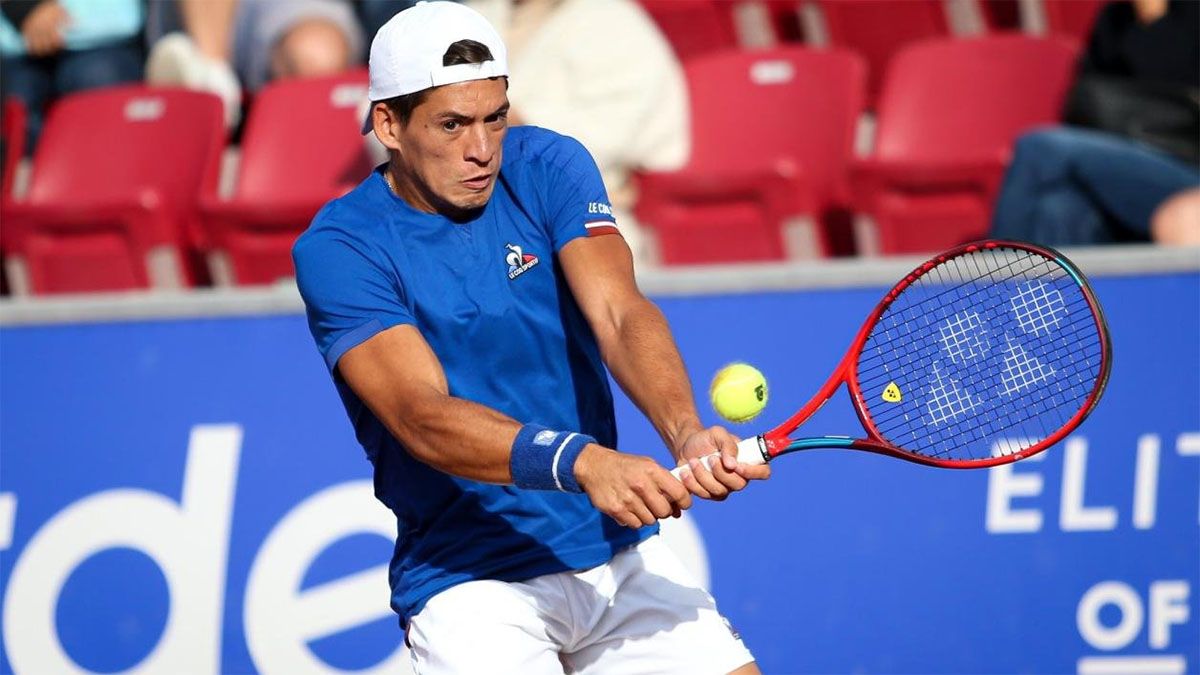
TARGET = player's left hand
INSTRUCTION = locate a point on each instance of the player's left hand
(726, 475)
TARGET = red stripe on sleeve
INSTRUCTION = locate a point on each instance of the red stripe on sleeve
(598, 230)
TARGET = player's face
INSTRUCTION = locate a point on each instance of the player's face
(451, 147)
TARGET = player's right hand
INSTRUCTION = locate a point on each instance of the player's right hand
(633, 490)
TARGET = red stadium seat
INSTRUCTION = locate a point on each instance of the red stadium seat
(113, 191)
(1001, 15)
(694, 27)
(1071, 18)
(948, 117)
(301, 148)
(773, 133)
(784, 19)
(13, 131)
(877, 29)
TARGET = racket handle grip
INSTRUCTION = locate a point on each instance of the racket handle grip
(750, 451)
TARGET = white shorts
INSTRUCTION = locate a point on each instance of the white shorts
(640, 613)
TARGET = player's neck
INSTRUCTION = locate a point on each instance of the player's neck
(405, 188)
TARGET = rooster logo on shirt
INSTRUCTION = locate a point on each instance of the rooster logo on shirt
(518, 261)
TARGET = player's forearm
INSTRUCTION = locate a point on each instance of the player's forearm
(457, 436)
(643, 358)
(472, 441)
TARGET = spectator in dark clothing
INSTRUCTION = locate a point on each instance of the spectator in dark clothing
(1152, 41)
(374, 13)
(49, 48)
(1134, 139)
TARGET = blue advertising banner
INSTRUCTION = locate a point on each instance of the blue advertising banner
(187, 496)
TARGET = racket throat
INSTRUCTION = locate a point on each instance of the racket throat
(788, 445)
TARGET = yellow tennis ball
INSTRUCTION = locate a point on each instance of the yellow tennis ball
(738, 392)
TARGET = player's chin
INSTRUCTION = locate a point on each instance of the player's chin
(472, 199)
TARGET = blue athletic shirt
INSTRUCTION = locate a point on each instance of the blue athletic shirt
(489, 298)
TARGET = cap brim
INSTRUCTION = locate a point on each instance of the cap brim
(367, 125)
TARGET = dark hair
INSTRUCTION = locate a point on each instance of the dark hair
(463, 51)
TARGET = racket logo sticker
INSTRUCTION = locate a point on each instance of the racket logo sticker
(891, 393)
(519, 262)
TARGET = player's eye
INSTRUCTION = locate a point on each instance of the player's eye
(451, 125)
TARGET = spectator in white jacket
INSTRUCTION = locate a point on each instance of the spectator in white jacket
(602, 72)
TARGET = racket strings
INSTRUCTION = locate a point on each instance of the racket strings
(948, 401)
(1046, 413)
(909, 310)
(945, 397)
(881, 375)
(986, 353)
(1032, 316)
(1040, 266)
(1038, 312)
(1006, 381)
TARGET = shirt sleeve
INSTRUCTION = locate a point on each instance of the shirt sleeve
(348, 297)
(577, 204)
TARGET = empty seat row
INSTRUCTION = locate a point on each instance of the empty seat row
(123, 191)
(875, 29)
(773, 169)
(123, 187)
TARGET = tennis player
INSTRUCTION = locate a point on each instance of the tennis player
(466, 298)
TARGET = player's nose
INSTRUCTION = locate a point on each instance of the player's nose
(480, 146)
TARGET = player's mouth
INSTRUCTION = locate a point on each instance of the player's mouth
(479, 182)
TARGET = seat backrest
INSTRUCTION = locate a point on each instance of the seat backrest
(118, 144)
(877, 29)
(694, 27)
(13, 131)
(968, 99)
(1001, 15)
(302, 141)
(788, 104)
(1071, 18)
(785, 20)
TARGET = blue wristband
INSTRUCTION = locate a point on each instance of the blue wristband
(543, 459)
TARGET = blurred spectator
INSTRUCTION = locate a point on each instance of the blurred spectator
(199, 56)
(1076, 186)
(1137, 93)
(374, 13)
(233, 44)
(1140, 74)
(604, 74)
(1177, 221)
(49, 48)
(297, 38)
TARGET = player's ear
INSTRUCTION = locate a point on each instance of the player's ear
(387, 125)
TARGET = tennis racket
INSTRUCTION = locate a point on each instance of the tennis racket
(984, 355)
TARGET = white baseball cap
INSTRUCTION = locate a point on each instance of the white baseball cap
(407, 52)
